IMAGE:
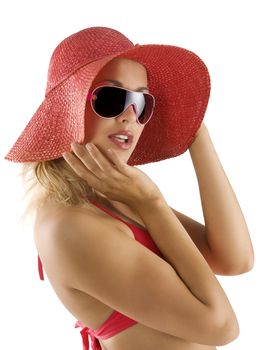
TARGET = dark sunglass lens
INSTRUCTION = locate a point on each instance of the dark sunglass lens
(109, 101)
(146, 112)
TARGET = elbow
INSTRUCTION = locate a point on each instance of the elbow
(249, 263)
(249, 266)
(239, 269)
(227, 331)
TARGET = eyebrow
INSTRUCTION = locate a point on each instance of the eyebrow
(118, 83)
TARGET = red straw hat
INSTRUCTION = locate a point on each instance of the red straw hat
(177, 78)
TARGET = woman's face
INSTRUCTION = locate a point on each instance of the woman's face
(125, 73)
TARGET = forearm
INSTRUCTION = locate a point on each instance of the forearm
(182, 254)
(226, 229)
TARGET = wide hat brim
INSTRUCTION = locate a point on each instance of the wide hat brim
(177, 78)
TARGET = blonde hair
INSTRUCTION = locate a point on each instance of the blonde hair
(55, 181)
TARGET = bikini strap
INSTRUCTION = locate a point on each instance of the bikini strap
(40, 269)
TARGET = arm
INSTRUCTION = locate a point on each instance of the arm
(197, 233)
(225, 227)
(178, 249)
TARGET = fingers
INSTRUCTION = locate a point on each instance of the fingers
(81, 170)
(104, 171)
(80, 160)
(107, 165)
(97, 156)
(121, 166)
(103, 162)
(91, 164)
(94, 159)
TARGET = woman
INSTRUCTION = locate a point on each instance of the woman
(136, 273)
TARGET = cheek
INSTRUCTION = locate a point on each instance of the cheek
(90, 123)
(140, 132)
(95, 127)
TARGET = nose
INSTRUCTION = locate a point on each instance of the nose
(129, 114)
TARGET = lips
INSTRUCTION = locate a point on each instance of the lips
(118, 141)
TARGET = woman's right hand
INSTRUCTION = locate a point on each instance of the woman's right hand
(111, 176)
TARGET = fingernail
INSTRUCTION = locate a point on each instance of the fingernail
(89, 146)
(65, 156)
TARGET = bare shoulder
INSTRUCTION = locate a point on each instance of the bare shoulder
(53, 216)
(59, 229)
(80, 218)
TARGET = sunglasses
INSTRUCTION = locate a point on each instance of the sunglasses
(111, 101)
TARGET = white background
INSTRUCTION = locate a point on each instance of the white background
(227, 36)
